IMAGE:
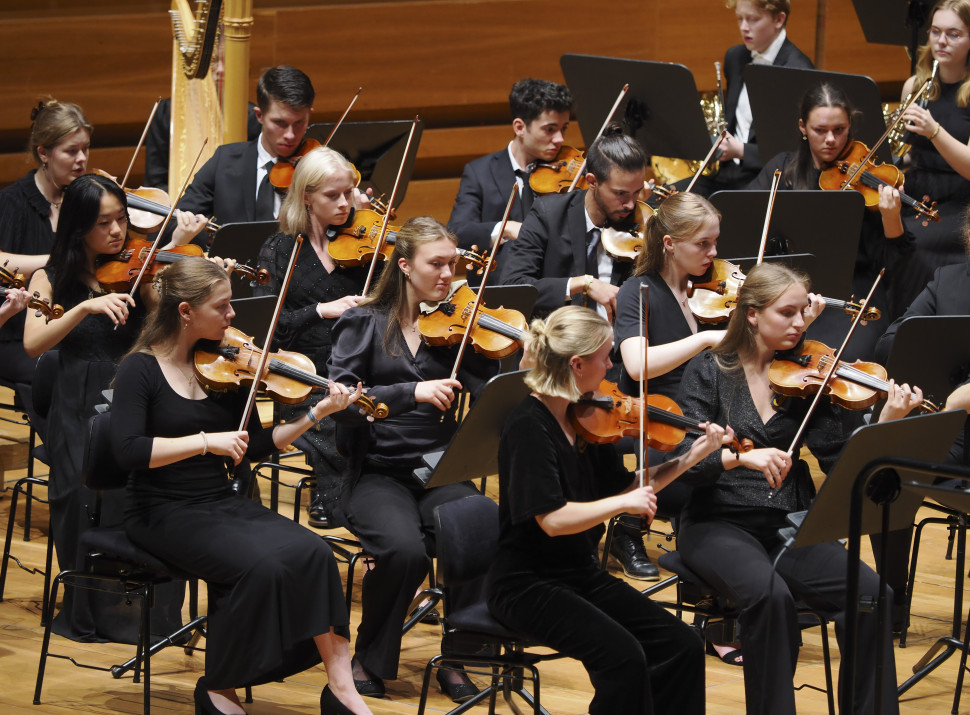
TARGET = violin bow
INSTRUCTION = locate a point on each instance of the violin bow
(343, 117)
(141, 141)
(707, 161)
(473, 318)
(171, 210)
(606, 123)
(830, 373)
(771, 207)
(382, 236)
(264, 356)
(872, 152)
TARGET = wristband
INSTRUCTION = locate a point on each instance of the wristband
(932, 136)
(205, 444)
(313, 420)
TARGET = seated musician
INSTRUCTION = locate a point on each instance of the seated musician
(540, 115)
(378, 343)
(555, 492)
(233, 185)
(14, 300)
(729, 528)
(764, 42)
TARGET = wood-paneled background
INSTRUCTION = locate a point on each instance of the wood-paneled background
(451, 61)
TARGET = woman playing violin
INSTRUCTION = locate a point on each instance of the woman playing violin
(181, 507)
(378, 343)
(939, 160)
(92, 335)
(555, 493)
(321, 196)
(825, 125)
(728, 531)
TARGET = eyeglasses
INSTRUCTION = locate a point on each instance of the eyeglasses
(951, 35)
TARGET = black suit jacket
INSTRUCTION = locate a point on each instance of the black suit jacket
(482, 196)
(735, 60)
(551, 248)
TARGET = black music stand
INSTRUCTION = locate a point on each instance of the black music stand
(242, 241)
(894, 22)
(514, 297)
(253, 315)
(816, 232)
(776, 94)
(840, 510)
(473, 450)
(938, 371)
(376, 149)
(661, 110)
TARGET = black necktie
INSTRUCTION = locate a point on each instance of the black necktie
(265, 205)
(592, 255)
(526, 195)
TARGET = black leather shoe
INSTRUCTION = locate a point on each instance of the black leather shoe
(459, 691)
(628, 550)
(371, 688)
(317, 515)
(330, 704)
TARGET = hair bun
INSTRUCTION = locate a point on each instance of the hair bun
(613, 129)
(41, 106)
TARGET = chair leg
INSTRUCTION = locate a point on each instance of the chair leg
(45, 645)
(29, 493)
(11, 516)
(607, 542)
(47, 606)
(827, 658)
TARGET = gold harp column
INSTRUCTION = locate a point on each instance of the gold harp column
(237, 28)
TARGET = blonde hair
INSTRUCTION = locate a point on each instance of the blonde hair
(567, 332)
(311, 172)
(924, 56)
(681, 217)
(190, 280)
(52, 122)
(764, 284)
(389, 293)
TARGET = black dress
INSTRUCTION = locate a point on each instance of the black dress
(303, 330)
(937, 244)
(87, 359)
(25, 228)
(640, 658)
(273, 584)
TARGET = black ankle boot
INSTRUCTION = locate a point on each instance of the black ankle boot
(317, 516)
(627, 547)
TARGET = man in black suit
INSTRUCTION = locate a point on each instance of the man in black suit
(234, 185)
(762, 26)
(540, 115)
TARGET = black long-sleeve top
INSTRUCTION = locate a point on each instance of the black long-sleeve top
(412, 429)
(708, 392)
(145, 407)
(300, 327)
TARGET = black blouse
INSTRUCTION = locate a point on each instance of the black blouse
(666, 323)
(25, 227)
(145, 407)
(300, 327)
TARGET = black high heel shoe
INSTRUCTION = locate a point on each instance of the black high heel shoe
(330, 704)
(203, 703)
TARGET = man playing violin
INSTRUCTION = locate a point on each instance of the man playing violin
(540, 115)
(559, 250)
(234, 184)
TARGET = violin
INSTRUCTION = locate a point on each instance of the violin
(281, 173)
(556, 176)
(626, 245)
(870, 179)
(854, 386)
(289, 377)
(498, 332)
(608, 415)
(16, 281)
(148, 207)
(115, 273)
(714, 296)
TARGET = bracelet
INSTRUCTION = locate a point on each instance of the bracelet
(205, 444)
(932, 136)
(313, 420)
(588, 282)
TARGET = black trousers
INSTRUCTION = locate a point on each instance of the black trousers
(640, 659)
(394, 521)
(739, 566)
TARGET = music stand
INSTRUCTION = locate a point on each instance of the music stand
(894, 22)
(661, 110)
(376, 149)
(940, 370)
(242, 241)
(253, 314)
(514, 297)
(776, 95)
(816, 232)
(840, 510)
(473, 450)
